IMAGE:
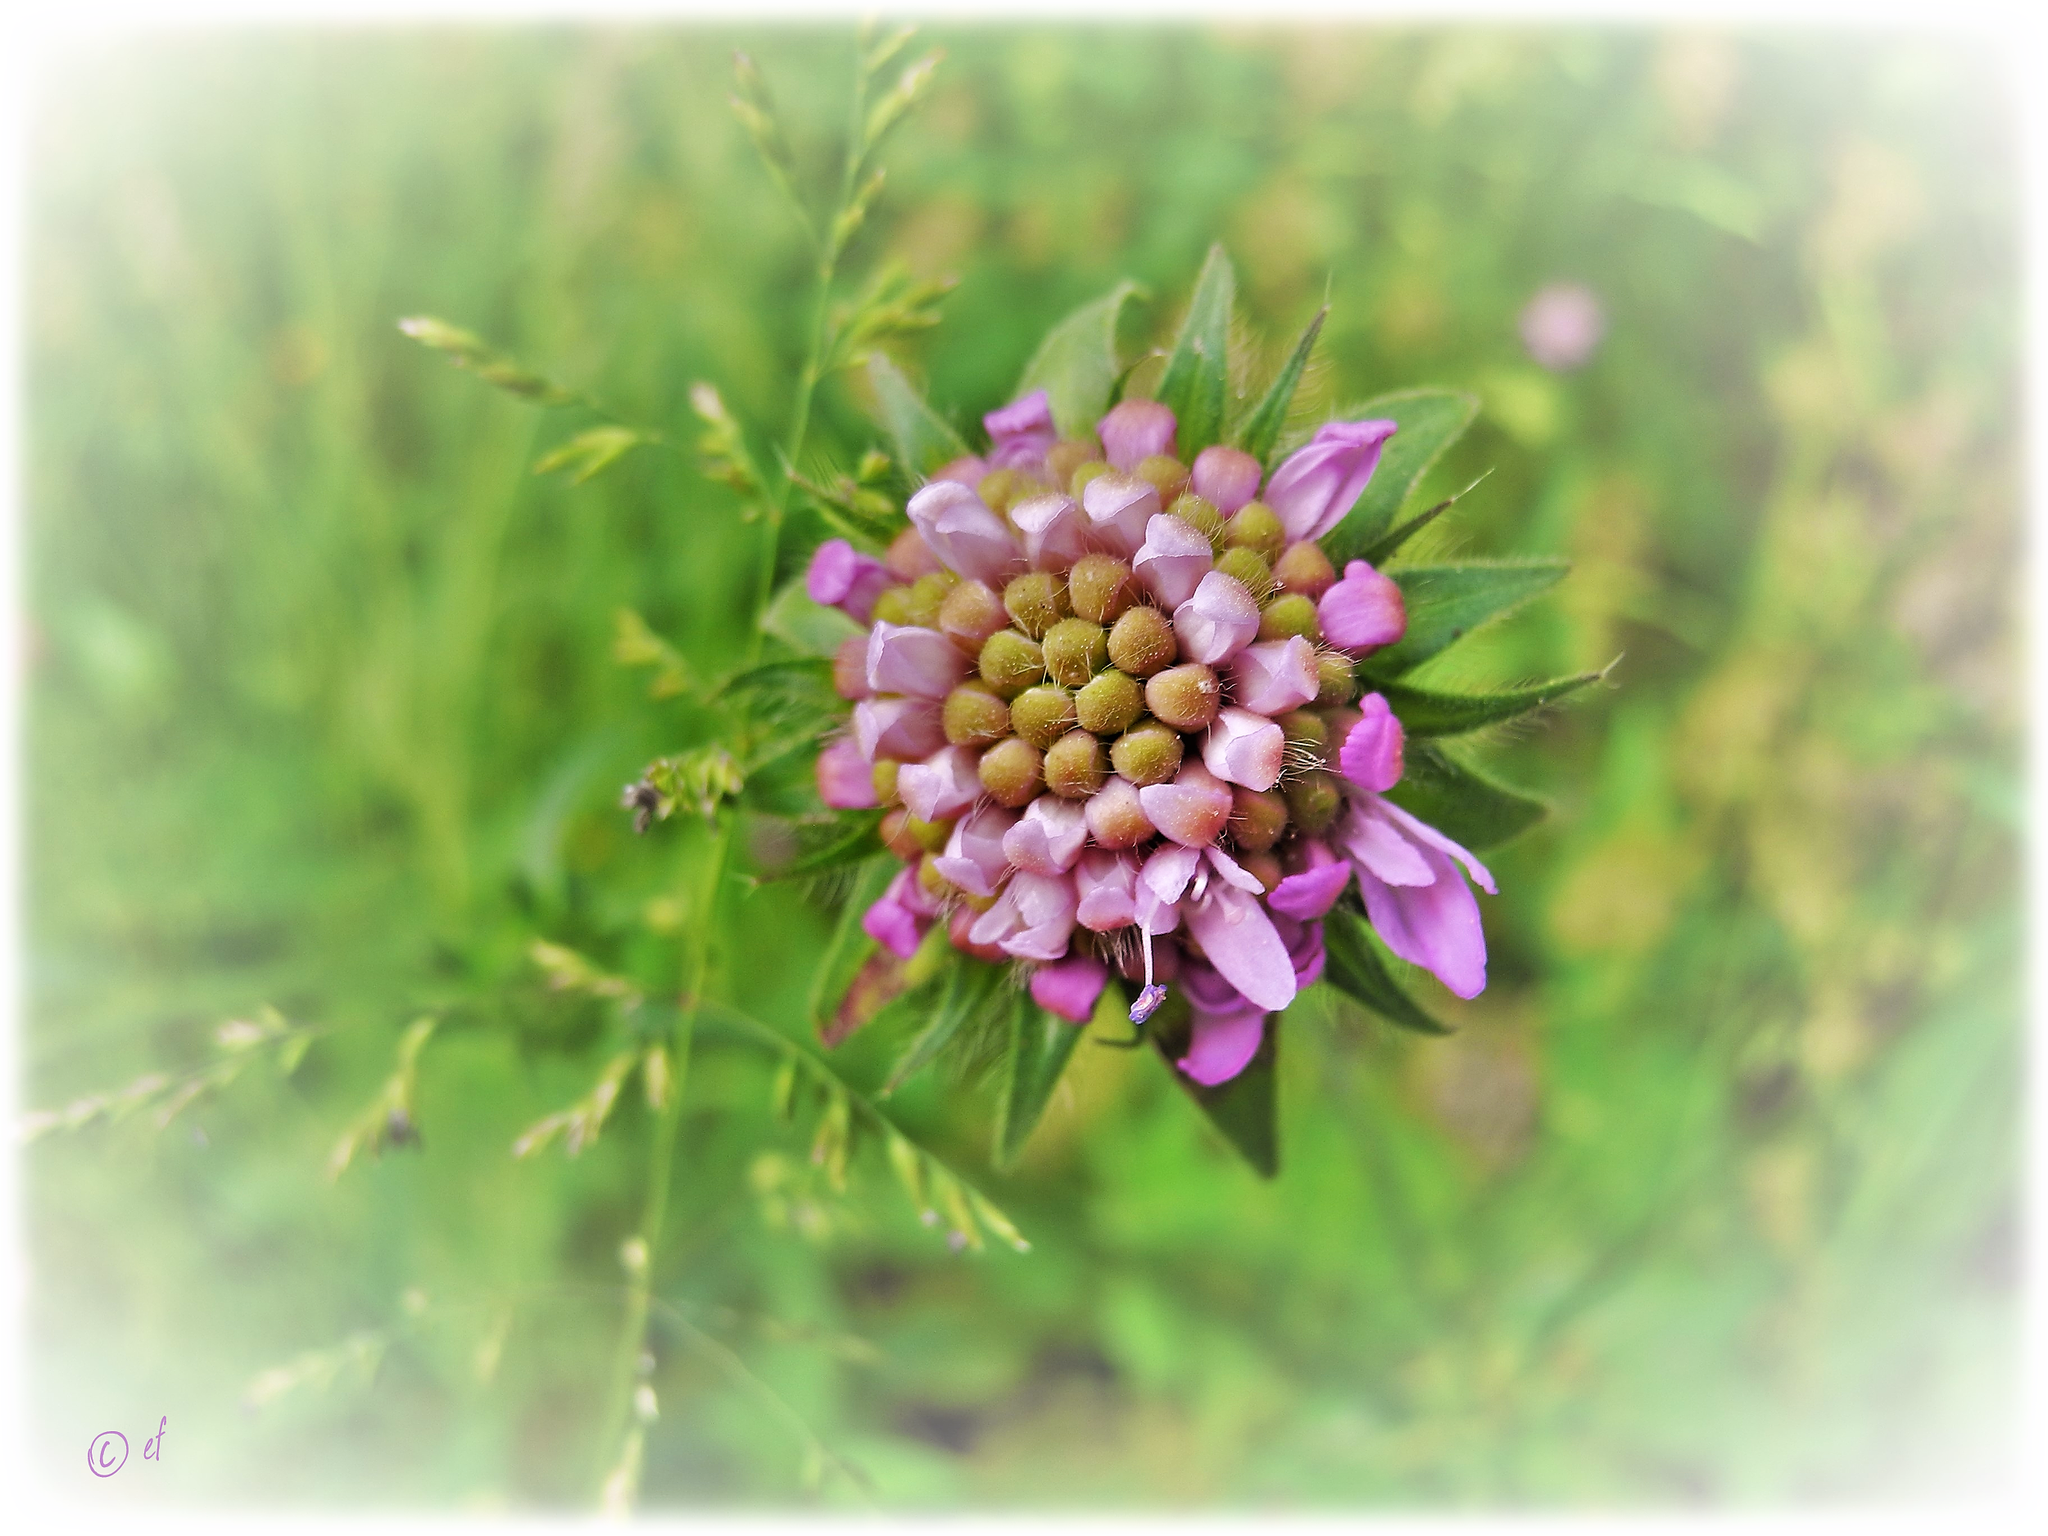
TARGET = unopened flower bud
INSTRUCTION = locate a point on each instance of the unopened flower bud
(893, 606)
(1148, 754)
(1185, 697)
(998, 488)
(1011, 772)
(931, 882)
(1109, 704)
(910, 557)
(1200, 514)
(1063, 458)
(885, 772)
(1134, 430)
(926, 595)
(1256, 526)
(910, 839)
(1167, 474)
(1075, 650)
(1313, 800)
(1337, 683)
(1099, 588)
(1073, 766)
(1142, 643)
(1363, 611)
(1036, 600)
(1258, 820)
(1304, 568)
(1248, 568)
(1116, 817)
(1083, 473)
(1192, 810)
(1306, 732)
(1287, 615)
(1229, 477)
(1042, 715)
(1010, 663)
(970, 614)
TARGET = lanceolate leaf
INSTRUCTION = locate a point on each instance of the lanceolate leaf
(850, 946)
(922, 439)
(1245, 1109)
(1076, 364)
(1448, 602)
(1431, 420)
(847, 838)
(1196, 383)
(1381, 549)
(1040, 1043)
(1459, 801)
(1261, 430)
(1353, 966)
(1423, 713)
(964, 992)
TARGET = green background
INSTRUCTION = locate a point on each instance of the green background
(1710, 1199)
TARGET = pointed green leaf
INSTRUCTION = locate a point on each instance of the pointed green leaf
(1196, 384)
(1382, 549)
(1261, 430)
(1431, 420)
(1447, 602)
(847, 838)
(966, 991)
(1076, 364)
(1040, 1043)
(850, 945)
(922, 438)
(1353, 966)
(1245, 1109)
(1460, 802)
(1424, 713)
(809, 628)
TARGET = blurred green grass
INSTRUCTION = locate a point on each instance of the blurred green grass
(1710, 1200)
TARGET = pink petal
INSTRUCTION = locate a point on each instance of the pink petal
(909, 730)
(1244, 748)
(1423, 832)
(1232, 872)
(1226, 478)
(1275, 676)
(1237, 936)
(1173, 559)
(1312, 893)
(890, 925)
(1118, 508)
(1371, 753)
(1135, 430)
(1380, 846)
(1070, 987)
(1217, 622)
(1106, 885)
(942, 786)
(903, 658)
(840, 576)
(1435, 926)
(974, 859)
(846, 782)
(1109, 813)
(967, 471)
(1223, 1045)
(1048, 840)
(1193, 809)
(1055, 532)
(965, 535)
(1020, 433)
(1318, 484)
(1364, 611)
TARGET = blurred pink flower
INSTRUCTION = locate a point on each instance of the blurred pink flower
(1562, 325)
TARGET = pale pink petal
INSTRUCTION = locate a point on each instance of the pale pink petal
(1033, 919)
(1173, 559)
(1193, 809)
(1116, 816)
(1217, 622)
(965, 535)
(1371, 753)
(1118, 508)
(1275, 676)
(1048, 840)
(1055, 532)
(1244, 748)
(942, 786)
(904, 658)
(967, 471)
(1135, 430)
(1379, 846)
(909, 730)
(1422, 831)
(974, 859)
(1319, 483)
(1233, 872)
(1020, 433)
(1107, 888)
(1070, 987)
(1238, 938)
(1226, 478)
(846, 782)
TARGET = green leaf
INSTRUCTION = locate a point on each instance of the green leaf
(590, 453)
(1447, 602)
(1261, 430)
(966, 992)
(846, 838)
(922, 439)
(1076, 364)
(1245, 1109)
(1196, 383)
(1040, 1043)
(1382, 549)
(1353, 966)
(1424, 713)
(850, 945)
(1431, 420)
(806, 627)
(1459, 801)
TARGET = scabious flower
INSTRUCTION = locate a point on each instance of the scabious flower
(1092, 761)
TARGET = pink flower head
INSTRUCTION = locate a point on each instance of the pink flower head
(845, 780)
(1319, 483)
(1032, 919)
(1364, 611)
(903, 658)
(1226, 478)
(1244, 748)
(1070, 987)
(1020, 433)
(942, 786)
(840, 576)
(1055, 532)
(1107, 886)
(1118, 509)
(909, 730)
(1217, 622)
(963, 533)
(892, 923)
(1371, 753)
(1173, 559)
(1192, 810)
(1275, 676)
(974, 859)
(1134, 430)
(1562, 325)
(1048, 839)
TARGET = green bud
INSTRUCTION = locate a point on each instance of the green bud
(1313, 801)
(974, 716)
(1304, 568)
(927, 594)
(935, 885)
(1306, 730)
(1262, 867)
(885, 780)
(1287, 615)
(1185, 697)
(1148, 754)
(893, 606)
(971, 613)
(1010, 772)
(908, 838)
(1100, 588)
(1168, 476)
(1141, 642)
(1256, 526)
(1339, 683)
(998, 490)
(1249, 567)
(1010, 663)
(1109, 704)
(1075, 650)
(1073, 766)
(1042, 715)
(1337, 724)
(1063, 458)
(1199, 513)
(1036, 600)
(1084, 474)
(1257, 818)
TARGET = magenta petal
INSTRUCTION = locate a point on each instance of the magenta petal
(1226, 478)
(1364, 611)
(845, 780)
(1070, 987)
(840, 576)
(1236, 934)
(1435, 926)
(1371, 753)
(1223, 1045)
(1312, 893)
(1020, 433)
(1135, 430)
(890, 925)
